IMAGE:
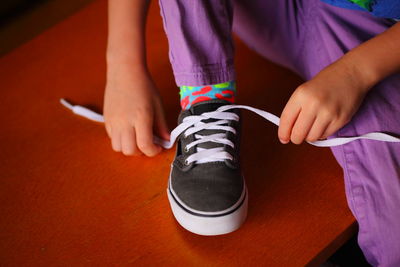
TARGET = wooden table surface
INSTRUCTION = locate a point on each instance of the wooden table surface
(66, 199)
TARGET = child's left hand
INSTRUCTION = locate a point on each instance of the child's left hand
(321, 106)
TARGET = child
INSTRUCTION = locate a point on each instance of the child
(344, 52)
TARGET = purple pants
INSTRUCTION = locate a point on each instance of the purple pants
(304, 36)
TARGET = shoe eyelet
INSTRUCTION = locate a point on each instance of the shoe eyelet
(186, 149)
(186, 162)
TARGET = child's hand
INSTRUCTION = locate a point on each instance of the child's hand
(321, 106)
(132, 110)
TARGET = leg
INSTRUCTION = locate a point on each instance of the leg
(200, 42)
(206, 190)
(322, 34)
(273, 29)
(372, 174)
(371, 169)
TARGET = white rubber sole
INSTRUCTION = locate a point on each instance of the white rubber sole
(209, 223)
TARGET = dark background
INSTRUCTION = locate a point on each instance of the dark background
(22, 20)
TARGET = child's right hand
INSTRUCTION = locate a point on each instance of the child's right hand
(133, 112)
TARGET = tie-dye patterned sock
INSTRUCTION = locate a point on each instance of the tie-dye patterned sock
(194, 94)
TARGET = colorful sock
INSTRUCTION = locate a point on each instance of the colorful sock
(194, 94)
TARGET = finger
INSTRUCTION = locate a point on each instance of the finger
(330, 129)
(128, 142)
(287, 120)
(302, 126)
(144, 136)
(318, 128)
(108, 129)
(116, 140)
(161, 126)
(136, 150)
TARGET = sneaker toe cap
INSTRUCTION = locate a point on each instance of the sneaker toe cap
(209, 188)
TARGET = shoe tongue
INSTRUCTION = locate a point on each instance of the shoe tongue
(207, 106)
(201, 107)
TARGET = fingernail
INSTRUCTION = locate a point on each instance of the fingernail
(284, 141)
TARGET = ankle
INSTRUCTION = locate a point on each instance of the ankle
(194, 94)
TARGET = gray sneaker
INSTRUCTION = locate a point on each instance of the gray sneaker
(206, 189)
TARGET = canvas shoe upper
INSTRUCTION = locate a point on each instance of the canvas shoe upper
(202, 181)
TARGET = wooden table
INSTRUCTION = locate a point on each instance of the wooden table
(68, 200)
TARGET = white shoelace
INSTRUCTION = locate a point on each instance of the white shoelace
(194, 123)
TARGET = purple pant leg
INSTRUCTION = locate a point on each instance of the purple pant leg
(313, 35)
(371, 169)
(272, 28)
(200, 43)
